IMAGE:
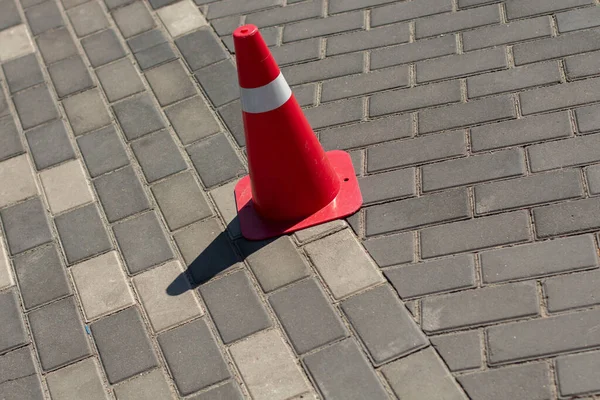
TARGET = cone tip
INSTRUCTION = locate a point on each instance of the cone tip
(245, 31)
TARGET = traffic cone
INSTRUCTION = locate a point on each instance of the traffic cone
(293, 183)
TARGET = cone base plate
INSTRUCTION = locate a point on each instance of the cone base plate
(347, 202)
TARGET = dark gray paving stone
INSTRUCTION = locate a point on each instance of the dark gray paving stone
(337, 113)
(12, 329)
(142, 251)
(215, 160)
(279, 16)
(303, 50)
(467, 19)
(28, 387)
(119, 80)
(228, 391)
(16, 364)
(146, 40)
(158, 155)
(358, 161)
(341, 372)
(102, 48)
(43, 17)
(232, 7)
(431, 277)
(35, 106)
(579, 150)
(56, 45)
(86, 112)
(578, 374)
(355, 85)
(388, 185)
(87, 18)
(330, 67)
(338, 6)
(572, 291)
(41, 276)
(235, 307)
(515, 31)
(49, 144)
(305, 94)
(307, 316)
(320, 27)
(180, 200)
(26, 225)
(123, 344)
(102, 151)
(219, 82)
(70, 76)
(22, 73)
(121, 194)
(392, 249)
(196, 367)
(363, 40)
(563, 218)
(154, 56)
(588, 119)
(366, 133)
(560, 96)
(419, 50)
(10, 142)
(133, 19)
(58, 333)
(192, 120)
(407, 11)
(138, 116)
(160, 3)
(170, 83)
(200, 48)
(10, 15)
(82, 233)
(232, 116)
(112, 4)
(461, 351)
(517, 9)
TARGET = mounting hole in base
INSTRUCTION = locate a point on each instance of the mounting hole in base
(346, 179)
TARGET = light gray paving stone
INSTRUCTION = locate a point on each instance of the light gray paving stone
(152, 385)
(577, 19)
(58, 333)
(201, 48)
(102, 285)
(170, 83)
(12, 329)
(235, 307)
(228, 391)
(196, 367)
(22, 73)
(572, 291)
(343, 264)
(10, 15)
(232, 116)
(87, 18)
(133, 19)
(49, 144)
(192, 119)
(9, 138)
(582, 65)
(102, 47)
(16, 42)
(35, 106)
(25, 225)
(43, 17)
(578, 374)
(461, 351)
(588, 119)
(78, 380)
(158, 155)
(416, 51)
(432, 277)
(6, 275)
(570, 217)
(70, 76)
(557, 97)
(224, 198)
(66, 186)
(66, 3)
(564, 153)
(392, 249)
(4, 108)
(86, 112)
(16, 364)
(119, 80)
(102, 151)
(41, 275)
(138, 116)
(317, 231)
(18, 182)
(388, 185)
(121, 194)
(422, 375)
(181, 18)
(56, 45)
(28, 387)
(215, 160)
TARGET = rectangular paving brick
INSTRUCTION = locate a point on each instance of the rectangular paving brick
(578, 374)
(12, 329)
(303, 50)
(86, 112)
(10, 15)
(77, 379)
(560, 96)
(572, 291)
(593, 179)
(461, 351)
(543, 337)
(66, 186)
(320, 27)
(87, 18)
(232, 7)
(102, 151)
(416, 51)
(35, 106)
(480, 306)
(452, 22)
(556, 47)
(219, 82)
(121, 194)
(70, 76)
(16, 364)
(362, 40)
(215, 160)
(335, 113)
(388, 185)
(405, 11)
(170, 83)
(138, 116)
(6, 275)
(330, 67)
(152, 384)
(432, 277)
(49, 144)
(43, 17)
(133, 19)
(158, 155)
(200, 48)
(392, 249)
(564, 153)
(229, 390)
(18, 180)
(11, 142)
(582, 65)
(578, 19)
(146, 40)
(520, 9)
(102, 47)
(283, 15)
(154, 56)
(563, 218)
(337, 6)
(28, 387)
(354, 85)
(119, 80)
(475, 234)
(26, 225)
(56, 45)
(192, 119)
(22, 73)
(512, 32)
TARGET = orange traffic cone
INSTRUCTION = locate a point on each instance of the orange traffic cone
(293, 183)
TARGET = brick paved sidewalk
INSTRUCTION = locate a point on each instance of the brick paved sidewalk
(471, 272)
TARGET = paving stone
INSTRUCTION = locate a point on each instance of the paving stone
(157, 289)
(74, 381)
(588, 119)
(314, 232)
(119, 80)
(66, 186)
(112, 4)
(22, 73)
(66, 3)
(231, 7)
(530, 380)
(330, 67)
(335, 113)
(227, 391)
(154, 56)
(58, 333)
(15, 42)
(263, 359)
(28, 387)
(102, 151)
(9, 139)
(133, 19)
(432, 277)
(225, 26)
(572, 291)
(419, 50)
(559, 219)
(181, 201)
(56, 45)
(235, 307)
(593, 179)
(362, 40)
(200, 48)
(280, 15)
(181, 18)
(102, 285)
(560, 96)
(461, 351)
(219, 82)
(407, 11)
(12, 330)
(158, 156)
(87, 18)
(102, 48)
(392, 249)
(146, 40)
(123, 344)
(365, 83)
(170, 83)
(577, 19)
(26, 225)
(49, 144)
(43, 17)
(512, 32)
(6, 276)
(564, 153)
(4, 109)
(35, 106)
(303, 50)
(41, 276)
(578, 374)
(467, 19)
(70, 76)
(341, 371)
(121, 194)
(193, 368)
(521, 131)
(555, 47)
(388, 185)
(305, 94)
(138, 116)
(518, 9)
(232, 116)
(82, 233)
(141, 253)
(215, 160)
(16, 364)
(583, 65)
(10, 15)
(86, 112)
(343, 264)
(151, 385)
(224, 199)
(319, 27)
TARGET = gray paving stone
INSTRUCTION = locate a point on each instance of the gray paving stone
(133, 19)
(86, 112)
(25, 225)
(516, 31)
(12, 330)
(593, 179)
(572, 291)
(193, 368)
(305, 94)
(461, 351)
(82, 233)
(56, 45)
(146, 40)
(341, 371)
(10, 15)
(58, 333)
(192, 120)
(18, 180)
(432, 277)
(281, 15)
(583, 65)
(4, 109)
(6, 275)
(388, 185)
(66, 186)
(16, 42)
(215, 160)
(392, 249)
(419, 50)
(158, 155)
(119, 80)
(407, 11)
(588, 119)
(170, 83)
(516, 9)
(102, 151)
(123, 344)
(16, 364)
(112, 4)
(142, 252)
(232, 116)
(87, 18)
(363, 40)
(28, 387)
(70, 76)
(74, 381)
(303, 50)
(231, 7)
(35, 106)
(227, 391)
(160, 3)
(219, 82)
(22, 73)
(281, 252)
(559, 96)
(181, 18)
(235, 307)
(340, 112)
(559, 219)
(43, 17)
(224, 199)
(319, 27)
(121, 194)
(154, 56)
(578, 374)
(102, 47)
(225, 26)
(66, 3)
(151, 385)
(9, 139)
(577, 19)
(49, 144)
(138, 116)
(41, 276)
(530, 380)
(314, 232)
(180, 200)
(564, 153)
(330, 67)
(446, 23)
(365, 83)
(200, 48)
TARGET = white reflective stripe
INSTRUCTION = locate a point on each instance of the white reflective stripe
(266, 98)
